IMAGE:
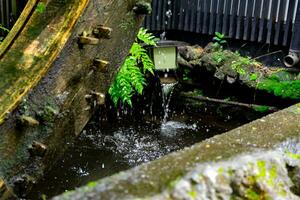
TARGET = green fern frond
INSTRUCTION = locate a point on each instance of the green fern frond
(147, 38)
(148, 65)
(3, 28)
(137, 50)
(131, 77)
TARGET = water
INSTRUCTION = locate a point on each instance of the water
(105, 147)
(167, 91)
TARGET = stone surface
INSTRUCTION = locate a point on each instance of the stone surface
(234, 68)
(190, 53)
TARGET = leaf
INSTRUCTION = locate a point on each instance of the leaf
(253, 77)
(217, 39)
(219, 35)
(147, 38)
(131, 76)
(3, 28)
(41, 7)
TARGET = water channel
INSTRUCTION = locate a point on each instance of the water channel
(106, 147)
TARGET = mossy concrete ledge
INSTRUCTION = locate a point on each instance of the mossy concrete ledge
(260, 160)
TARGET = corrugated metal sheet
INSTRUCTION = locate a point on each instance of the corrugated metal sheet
(265, 21)
(8, 13)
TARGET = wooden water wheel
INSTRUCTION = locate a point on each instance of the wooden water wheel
(56, 65)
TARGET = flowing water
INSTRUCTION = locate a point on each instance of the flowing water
(106, 147)
(167, 91)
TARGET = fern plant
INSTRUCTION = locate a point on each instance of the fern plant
(2, 28)
(131, 79)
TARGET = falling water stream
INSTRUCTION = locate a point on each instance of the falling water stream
(167, 91)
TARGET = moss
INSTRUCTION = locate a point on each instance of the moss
(41, 7)
(173, 183)
(252, 194)
(261, 109)
(293, 155)
(241, 64)
(192, 194)
(142, 7)
(220, 171)
(219, 57)
(262, 169)
(285, 89)
(48, 114)
(92, 184)
(253, 77)
(126, 24)
(272, 175)
(230, 172)
(294, 109)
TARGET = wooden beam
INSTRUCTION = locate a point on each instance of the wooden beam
(37, 51)
(9, 39)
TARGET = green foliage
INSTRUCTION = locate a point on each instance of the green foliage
(44, 197)
(253, 77)
(272, 175)
(292, 155)
(92, 184)
(41, 7)
(130, 79)
(186, 74)
(252, 194)
(261, 164)
(48, 113)
(239, 64)
(219, 40)
(2, 28)
(261, 109)
(147, 38)
(198, 92)
(285, 89)
(192, 194)
(219, 57)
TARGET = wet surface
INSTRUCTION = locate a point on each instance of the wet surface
(106, 148)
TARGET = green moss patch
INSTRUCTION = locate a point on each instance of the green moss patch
(285, 89)
(262, 109)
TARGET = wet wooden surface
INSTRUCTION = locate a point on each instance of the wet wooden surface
(46, 75)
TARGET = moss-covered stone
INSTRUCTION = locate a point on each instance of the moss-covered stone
(232, 67)
(285, 89)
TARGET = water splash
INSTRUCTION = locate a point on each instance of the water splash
(167, 91)
(175, 128)
(135, 148)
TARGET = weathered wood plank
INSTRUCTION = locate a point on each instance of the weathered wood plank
(9, 39)
(34, 50)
